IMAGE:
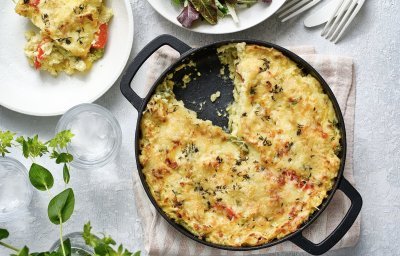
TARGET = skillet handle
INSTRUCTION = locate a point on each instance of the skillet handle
(138, 61)
(341, 229)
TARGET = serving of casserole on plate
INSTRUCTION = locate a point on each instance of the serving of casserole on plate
(261, 179)
(96, 66)
(72, 34)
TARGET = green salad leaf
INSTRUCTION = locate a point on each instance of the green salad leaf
(208, 10)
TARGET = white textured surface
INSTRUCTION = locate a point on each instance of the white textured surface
(373, 40)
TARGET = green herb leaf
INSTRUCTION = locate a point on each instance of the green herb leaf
(102, 247)
(61, 139)
(46, 254)
(64, 158)
(89, 238)
(32, 147)
(67, 248)
(207, 9)
(25, 149)
(5, 141)
(40, 254)
(178, 2)
(61, 207)
(3, 233)
(66, 175)
(23, 252)
(40, 177)
(120, 249)
(54, 154)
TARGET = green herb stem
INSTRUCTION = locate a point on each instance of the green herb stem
(48, 191)
(61, 236)
(9, 246)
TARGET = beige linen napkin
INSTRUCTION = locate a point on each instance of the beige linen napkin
(162, 239)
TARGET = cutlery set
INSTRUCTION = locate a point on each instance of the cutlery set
(337, 14)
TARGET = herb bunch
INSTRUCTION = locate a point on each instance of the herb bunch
(61, 206)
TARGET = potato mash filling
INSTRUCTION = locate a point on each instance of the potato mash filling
(73, 34)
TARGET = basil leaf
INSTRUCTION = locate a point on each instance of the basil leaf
(67, 248)
(66, 175)
(54, 154)
(25, 149)
(61, 207)
(40, 177)
(47, 254)
(103, 249)
(137, 253)
(64, 158)
(120, 249)
(208, 9)
(3, 233)
(23, 252)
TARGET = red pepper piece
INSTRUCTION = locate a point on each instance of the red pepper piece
(102, 37)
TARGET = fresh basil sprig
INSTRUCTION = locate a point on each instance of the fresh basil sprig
(104, 246)
(62, 205)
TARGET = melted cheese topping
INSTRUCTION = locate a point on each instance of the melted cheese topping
(262, 180)
(71, 27)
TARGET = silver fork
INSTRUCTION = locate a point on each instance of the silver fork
(293, 8)
(341, 19)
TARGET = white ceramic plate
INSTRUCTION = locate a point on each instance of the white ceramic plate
(26, 90)
(248, 17)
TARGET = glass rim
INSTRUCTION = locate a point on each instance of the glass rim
(4, 217)
(77, 234)
(91, 107)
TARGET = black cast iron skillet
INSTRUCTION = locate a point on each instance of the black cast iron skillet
(199, 90)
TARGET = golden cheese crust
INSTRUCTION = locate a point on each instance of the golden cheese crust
(262, 180)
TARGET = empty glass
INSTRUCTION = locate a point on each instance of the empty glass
(15, 189)
(97, 138)
(78, 245)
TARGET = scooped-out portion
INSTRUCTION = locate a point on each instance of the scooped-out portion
(265, 177)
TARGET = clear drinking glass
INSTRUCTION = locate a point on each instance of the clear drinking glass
(15, 189)
(78, 245)
(97, 138)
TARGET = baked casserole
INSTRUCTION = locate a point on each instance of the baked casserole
(265, 177)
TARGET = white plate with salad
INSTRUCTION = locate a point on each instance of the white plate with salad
(32, 90)
(216, 16)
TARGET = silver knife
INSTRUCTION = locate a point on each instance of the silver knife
(322, 15)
